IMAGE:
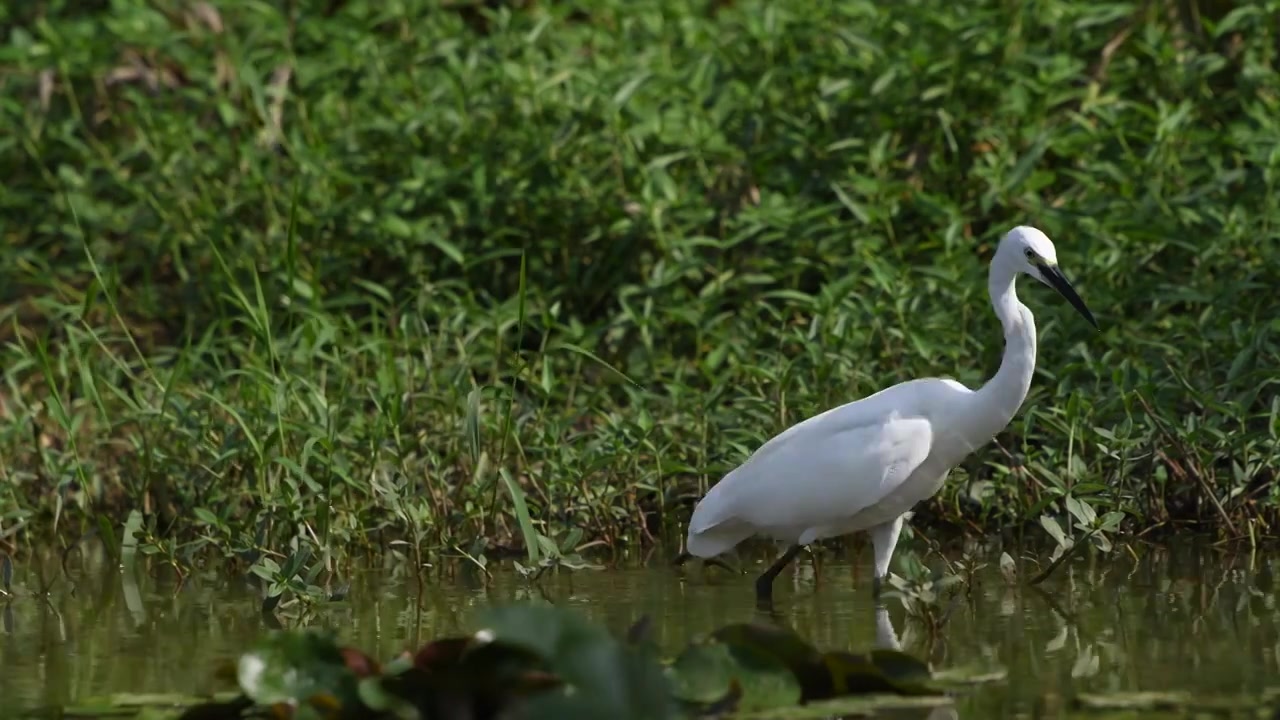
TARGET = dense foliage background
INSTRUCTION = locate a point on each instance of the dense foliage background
(323, 274)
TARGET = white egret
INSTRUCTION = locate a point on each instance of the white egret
(862, 465)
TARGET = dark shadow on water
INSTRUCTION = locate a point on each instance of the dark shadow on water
(1189, 619)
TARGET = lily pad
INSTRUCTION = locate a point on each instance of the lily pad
(540, 662)
(1134, 701)
(159, 705)
(760, 640)
(870, 706)
(295, 668)
(376, 695)
(962, 677)
(705, 673)
(466, 676)
(360, 664)
(776, 668)
(602, 676)
(879, 671)
(1176, 702)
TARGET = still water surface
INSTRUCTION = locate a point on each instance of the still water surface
(1182, 619)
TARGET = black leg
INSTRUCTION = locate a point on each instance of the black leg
(764, 583)
(681, 559)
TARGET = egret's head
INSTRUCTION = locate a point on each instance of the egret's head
(1031, 252)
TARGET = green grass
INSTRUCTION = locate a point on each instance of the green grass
(398, 272)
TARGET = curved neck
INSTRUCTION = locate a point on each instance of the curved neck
(1005, 391)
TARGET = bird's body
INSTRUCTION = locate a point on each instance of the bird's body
(765, 495)
(862, 465)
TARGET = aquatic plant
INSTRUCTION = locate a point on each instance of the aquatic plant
(541, 661)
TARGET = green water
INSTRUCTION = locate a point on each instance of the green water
(1182, 619)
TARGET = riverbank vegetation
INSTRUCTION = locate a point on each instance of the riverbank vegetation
(292, 284)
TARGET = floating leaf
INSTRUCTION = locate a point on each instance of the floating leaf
(441, 653)
(853, 674)
(296, 667)
(727, 704)
(962, 677)
(785, 646)
(375, 695)
(358, 663)
(467, 675)
(873, 706)
(1134, 701)
(606, 676)
(481, 665)
(880, 671)
(223, 706)
(229, 710)
(541, 662)
(909, 675)
(704, 674)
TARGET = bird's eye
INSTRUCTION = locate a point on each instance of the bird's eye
(1031, 254)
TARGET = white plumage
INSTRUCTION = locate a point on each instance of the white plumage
(861, 465)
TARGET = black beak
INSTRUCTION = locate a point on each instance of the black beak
(1054, 277)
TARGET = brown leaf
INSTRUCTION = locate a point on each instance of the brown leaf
(440, 653)
(46, 88)
(124, 74)
(209, 15)
(277, 90)
(223, 72)
(360, 664)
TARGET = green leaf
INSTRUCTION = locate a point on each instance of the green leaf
(397, 226)
(1055, 530)
(462, 672)
(373, 692)
(129, 539)
(296, 562)
(296, 667)
(207, 517)
(624, 93)
(1112, 520)
(548, 546)
(571, 541)
(595, 358)
(617, 680)
(784, 646)
(1082, 511)
(871, 706)
(880, 671)
(532, 545)
(471, 421)
(444, 245)
(705, 672)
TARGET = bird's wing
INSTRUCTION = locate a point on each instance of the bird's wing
(823, 470)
